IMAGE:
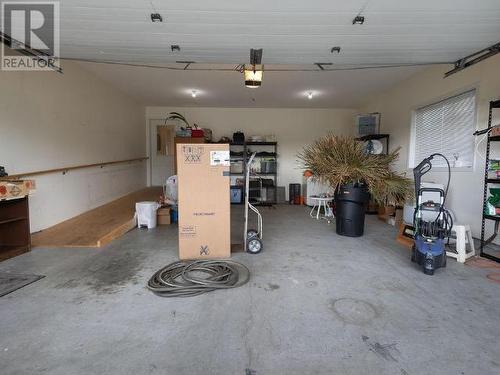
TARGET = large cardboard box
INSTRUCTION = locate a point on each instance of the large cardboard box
(204, 201)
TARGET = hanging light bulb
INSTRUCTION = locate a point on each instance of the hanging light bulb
(253, 76)
(310, 95)
(193, 93)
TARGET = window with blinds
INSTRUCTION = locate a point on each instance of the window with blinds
(446, 127)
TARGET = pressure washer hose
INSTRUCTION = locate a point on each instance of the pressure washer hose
(185, 278)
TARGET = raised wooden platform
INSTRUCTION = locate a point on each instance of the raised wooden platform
(97, 227)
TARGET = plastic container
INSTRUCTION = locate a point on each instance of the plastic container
(268, 166)
(174, 215)
(236, 166)
(350, 210)
(146, 214)
(197, 133)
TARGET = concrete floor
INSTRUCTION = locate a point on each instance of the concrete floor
(317, 303)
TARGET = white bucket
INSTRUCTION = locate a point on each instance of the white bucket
(146, 214)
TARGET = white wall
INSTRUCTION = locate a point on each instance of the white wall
(397, 104)
(50, 120)
(294, 128)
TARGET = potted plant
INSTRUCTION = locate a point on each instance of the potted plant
(188, 131)
(354, 175)
(177, 116)
(181, 131)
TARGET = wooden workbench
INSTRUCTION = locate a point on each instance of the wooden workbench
(97, 227)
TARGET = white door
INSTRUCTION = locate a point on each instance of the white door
(161, 160)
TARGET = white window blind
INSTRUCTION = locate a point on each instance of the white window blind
(446, 127)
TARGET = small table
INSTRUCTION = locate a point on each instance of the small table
(318, 203)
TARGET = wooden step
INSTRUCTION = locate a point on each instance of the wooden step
(97, 227)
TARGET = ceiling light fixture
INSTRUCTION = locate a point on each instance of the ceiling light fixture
(253, 76)
(194, 93)
(335, 49)
(175, 48)
(358, 20)
(253, 73)
(156, 17)
(310, 95)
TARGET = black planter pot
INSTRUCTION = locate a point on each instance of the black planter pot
(350, 200)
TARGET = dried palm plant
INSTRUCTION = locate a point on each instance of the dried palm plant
(177, 116)
(339, 160)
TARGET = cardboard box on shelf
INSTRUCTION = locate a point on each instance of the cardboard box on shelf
(163, 216)
(495, 132)
(204, 201)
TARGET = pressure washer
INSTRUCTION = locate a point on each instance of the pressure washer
(432, 222)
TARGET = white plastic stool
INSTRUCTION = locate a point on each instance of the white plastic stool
(464, 236)
(318, 203)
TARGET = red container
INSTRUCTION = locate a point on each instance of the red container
(197, 133)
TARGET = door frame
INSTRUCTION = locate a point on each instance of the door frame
(150, 148)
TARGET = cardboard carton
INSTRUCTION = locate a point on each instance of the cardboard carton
(204, 201)
(163, 216)
(384, 212)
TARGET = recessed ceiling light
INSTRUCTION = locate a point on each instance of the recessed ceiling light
(358, 20)
(156, 17)
(194, 93)
(310, 95)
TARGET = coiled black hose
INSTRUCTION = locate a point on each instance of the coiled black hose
(191, 278)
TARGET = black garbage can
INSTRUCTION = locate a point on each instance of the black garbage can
(294, 193)
(350, 200)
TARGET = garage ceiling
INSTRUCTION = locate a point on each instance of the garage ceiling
(290, 32)
(344, 89)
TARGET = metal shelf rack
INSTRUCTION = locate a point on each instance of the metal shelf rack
(487, 181)
(260, 175)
